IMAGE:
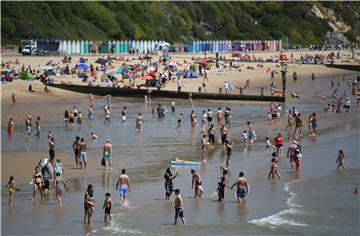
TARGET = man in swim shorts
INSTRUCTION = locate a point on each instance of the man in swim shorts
(179, 207)
(124, 184)
(196, 179)
(107, 150)
(82, 156)
(242, 187)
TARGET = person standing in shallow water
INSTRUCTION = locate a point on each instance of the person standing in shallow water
(196, 179)
(169, 187)
(123, 184)
(242, 187)
(89, 190)
(107, 153)
(340, 160)
(179, 208)
(10, 127)
(52, 150)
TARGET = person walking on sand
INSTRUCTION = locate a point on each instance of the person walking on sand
(313, 76)
(10, 127)
(169, 186)
(123, 184)
(179, 207)
(13, 97)
(196, 179)
(107, 151)
(108, 204)
(242, 187)
(340, 160)
(294, 77)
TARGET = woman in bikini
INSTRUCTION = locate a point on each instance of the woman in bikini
(38, 183)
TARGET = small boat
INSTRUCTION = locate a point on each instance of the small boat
(185, 163)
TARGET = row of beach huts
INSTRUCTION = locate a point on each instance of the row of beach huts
(69, 47)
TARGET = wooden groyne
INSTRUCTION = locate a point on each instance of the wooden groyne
(127, 92)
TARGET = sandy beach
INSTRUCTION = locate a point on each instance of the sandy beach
(147, 155)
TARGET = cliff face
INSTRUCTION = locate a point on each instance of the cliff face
(302, 22)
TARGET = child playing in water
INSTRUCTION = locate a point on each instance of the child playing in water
(11, 187)
(274, 168)
(221, 189)
(269, 146)
(108, 203)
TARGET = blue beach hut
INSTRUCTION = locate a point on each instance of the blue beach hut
(117, 47)
(82, 47)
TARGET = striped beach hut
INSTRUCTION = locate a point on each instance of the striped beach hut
(68, 48)
(82, 47)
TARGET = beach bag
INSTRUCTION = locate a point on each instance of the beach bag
(103, 161)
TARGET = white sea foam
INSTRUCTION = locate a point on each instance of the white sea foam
(117, 227)
(290, 201)
(279, 219)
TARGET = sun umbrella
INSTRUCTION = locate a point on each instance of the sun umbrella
(172, 63)
(54, 63)
(45, 68)
(83, 66)
(102, 61)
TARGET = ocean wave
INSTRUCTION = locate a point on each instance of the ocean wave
(279, 219)
(290, 201)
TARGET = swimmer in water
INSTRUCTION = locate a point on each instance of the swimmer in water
(93, 136)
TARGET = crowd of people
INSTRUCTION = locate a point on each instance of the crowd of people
(49, 172)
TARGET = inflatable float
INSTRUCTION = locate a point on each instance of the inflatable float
(185, 163)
